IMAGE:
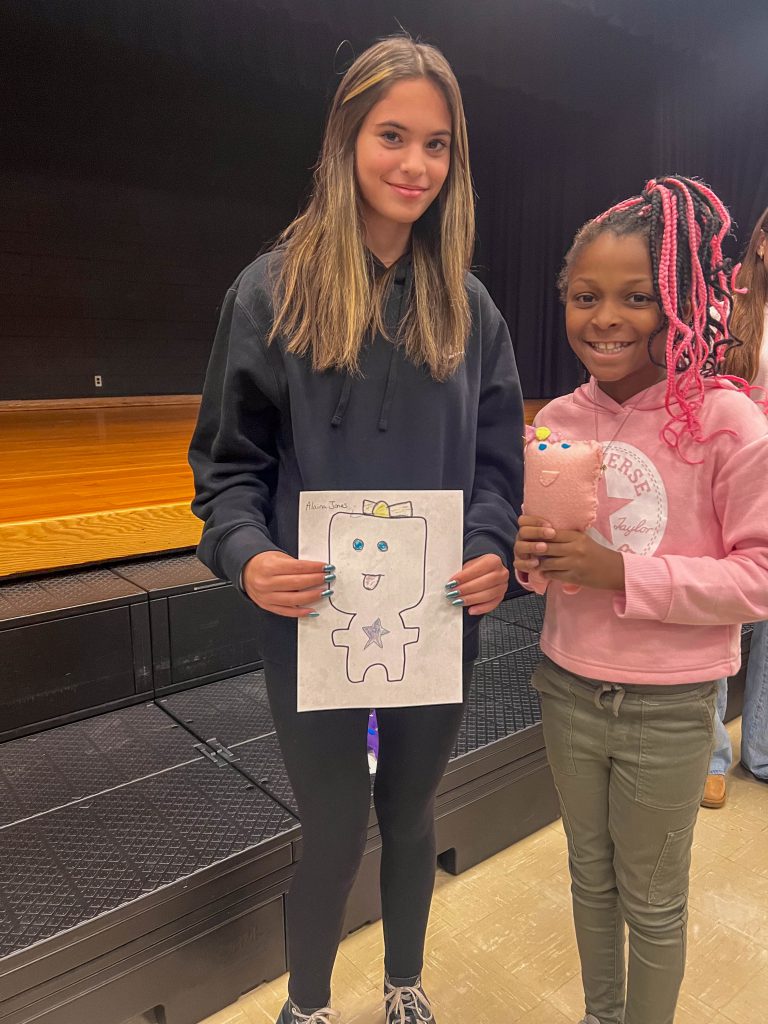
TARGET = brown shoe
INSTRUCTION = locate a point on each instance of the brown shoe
(714, 791)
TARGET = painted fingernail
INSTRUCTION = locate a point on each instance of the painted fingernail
(330, 576)
(452, 593)
(313, 615)
(451, 585)
(329, 568)
(326, 593)
(457, 601)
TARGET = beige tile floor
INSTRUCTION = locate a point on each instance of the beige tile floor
(501, 948)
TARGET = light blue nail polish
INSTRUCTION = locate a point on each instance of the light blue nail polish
(457, 601)
(451, 585)
(452, 593)
(313, 615)
(326, 593)
(329, 568)
(330, 576)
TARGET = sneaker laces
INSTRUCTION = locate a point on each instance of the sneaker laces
(324, 1016)
(399, 1001)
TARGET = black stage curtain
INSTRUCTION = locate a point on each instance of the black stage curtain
(572, 104)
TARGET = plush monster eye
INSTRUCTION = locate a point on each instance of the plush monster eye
(358, 544)
(382, 545)
(543, 447)
(565, 446)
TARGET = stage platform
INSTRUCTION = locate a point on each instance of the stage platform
(86, 484)
(86, 481)
(148, 830)
(145, 853)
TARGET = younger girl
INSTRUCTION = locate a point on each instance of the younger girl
(676, 559)
(360, 354)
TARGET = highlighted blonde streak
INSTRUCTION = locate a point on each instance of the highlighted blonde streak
(367, 84)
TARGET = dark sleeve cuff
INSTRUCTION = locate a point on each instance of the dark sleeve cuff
(237, 548)
(486, 544)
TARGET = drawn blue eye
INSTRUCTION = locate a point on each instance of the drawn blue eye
(358, 544)
(382, 545)
(542, 447)
(565, 446)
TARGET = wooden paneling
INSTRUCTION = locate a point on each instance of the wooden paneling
(90, 483)
(532, 406)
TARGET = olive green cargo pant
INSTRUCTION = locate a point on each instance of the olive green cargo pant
(629, 763)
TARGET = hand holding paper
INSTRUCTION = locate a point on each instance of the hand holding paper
(284, 585)
(481, 584)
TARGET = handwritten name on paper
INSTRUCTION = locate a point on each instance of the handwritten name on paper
(329, 506)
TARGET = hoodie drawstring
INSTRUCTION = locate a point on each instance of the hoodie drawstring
(343, 402)
(405, 275)
(403, 278)
(389, 390)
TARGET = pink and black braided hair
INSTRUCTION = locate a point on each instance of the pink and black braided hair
(685, 224)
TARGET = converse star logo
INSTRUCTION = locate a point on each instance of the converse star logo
(631, 502)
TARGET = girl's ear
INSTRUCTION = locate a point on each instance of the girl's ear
(687, 311)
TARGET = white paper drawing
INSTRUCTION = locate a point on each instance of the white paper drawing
(387, 636)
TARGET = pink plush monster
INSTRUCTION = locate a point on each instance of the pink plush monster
(560, 486)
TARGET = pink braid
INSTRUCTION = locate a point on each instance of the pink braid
(687, 344)
(627, 204)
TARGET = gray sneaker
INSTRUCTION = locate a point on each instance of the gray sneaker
(406, 1004)
(589, 1019)
(291, 1014)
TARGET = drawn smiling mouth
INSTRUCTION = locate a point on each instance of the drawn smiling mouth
(370, 582)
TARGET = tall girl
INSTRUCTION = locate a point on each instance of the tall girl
(676, 559)
(361, 354)
(748, 360)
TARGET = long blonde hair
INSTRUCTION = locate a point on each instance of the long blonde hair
(748, 317)
(326, 295)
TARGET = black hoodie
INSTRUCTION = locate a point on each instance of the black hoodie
(270, 426)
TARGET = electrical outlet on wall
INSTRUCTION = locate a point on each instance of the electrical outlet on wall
(97, 381)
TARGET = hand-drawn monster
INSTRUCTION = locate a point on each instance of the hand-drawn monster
(380, 558)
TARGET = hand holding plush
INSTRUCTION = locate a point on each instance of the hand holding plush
(560, 486)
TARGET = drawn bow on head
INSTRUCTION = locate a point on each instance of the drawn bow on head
(402, 510)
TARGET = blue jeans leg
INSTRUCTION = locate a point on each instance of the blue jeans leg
(722, 755)
(754, 718)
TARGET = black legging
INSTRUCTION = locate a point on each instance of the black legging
(326, 758)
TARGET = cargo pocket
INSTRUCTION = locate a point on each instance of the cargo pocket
(670, 876)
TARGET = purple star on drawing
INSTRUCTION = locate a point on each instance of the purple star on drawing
(374, 634)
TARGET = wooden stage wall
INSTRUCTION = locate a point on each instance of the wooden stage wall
(87, 482)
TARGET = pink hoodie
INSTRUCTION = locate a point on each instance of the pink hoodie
(694, 540)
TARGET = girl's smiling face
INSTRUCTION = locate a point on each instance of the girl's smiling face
(403, 152)
(611, 311)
